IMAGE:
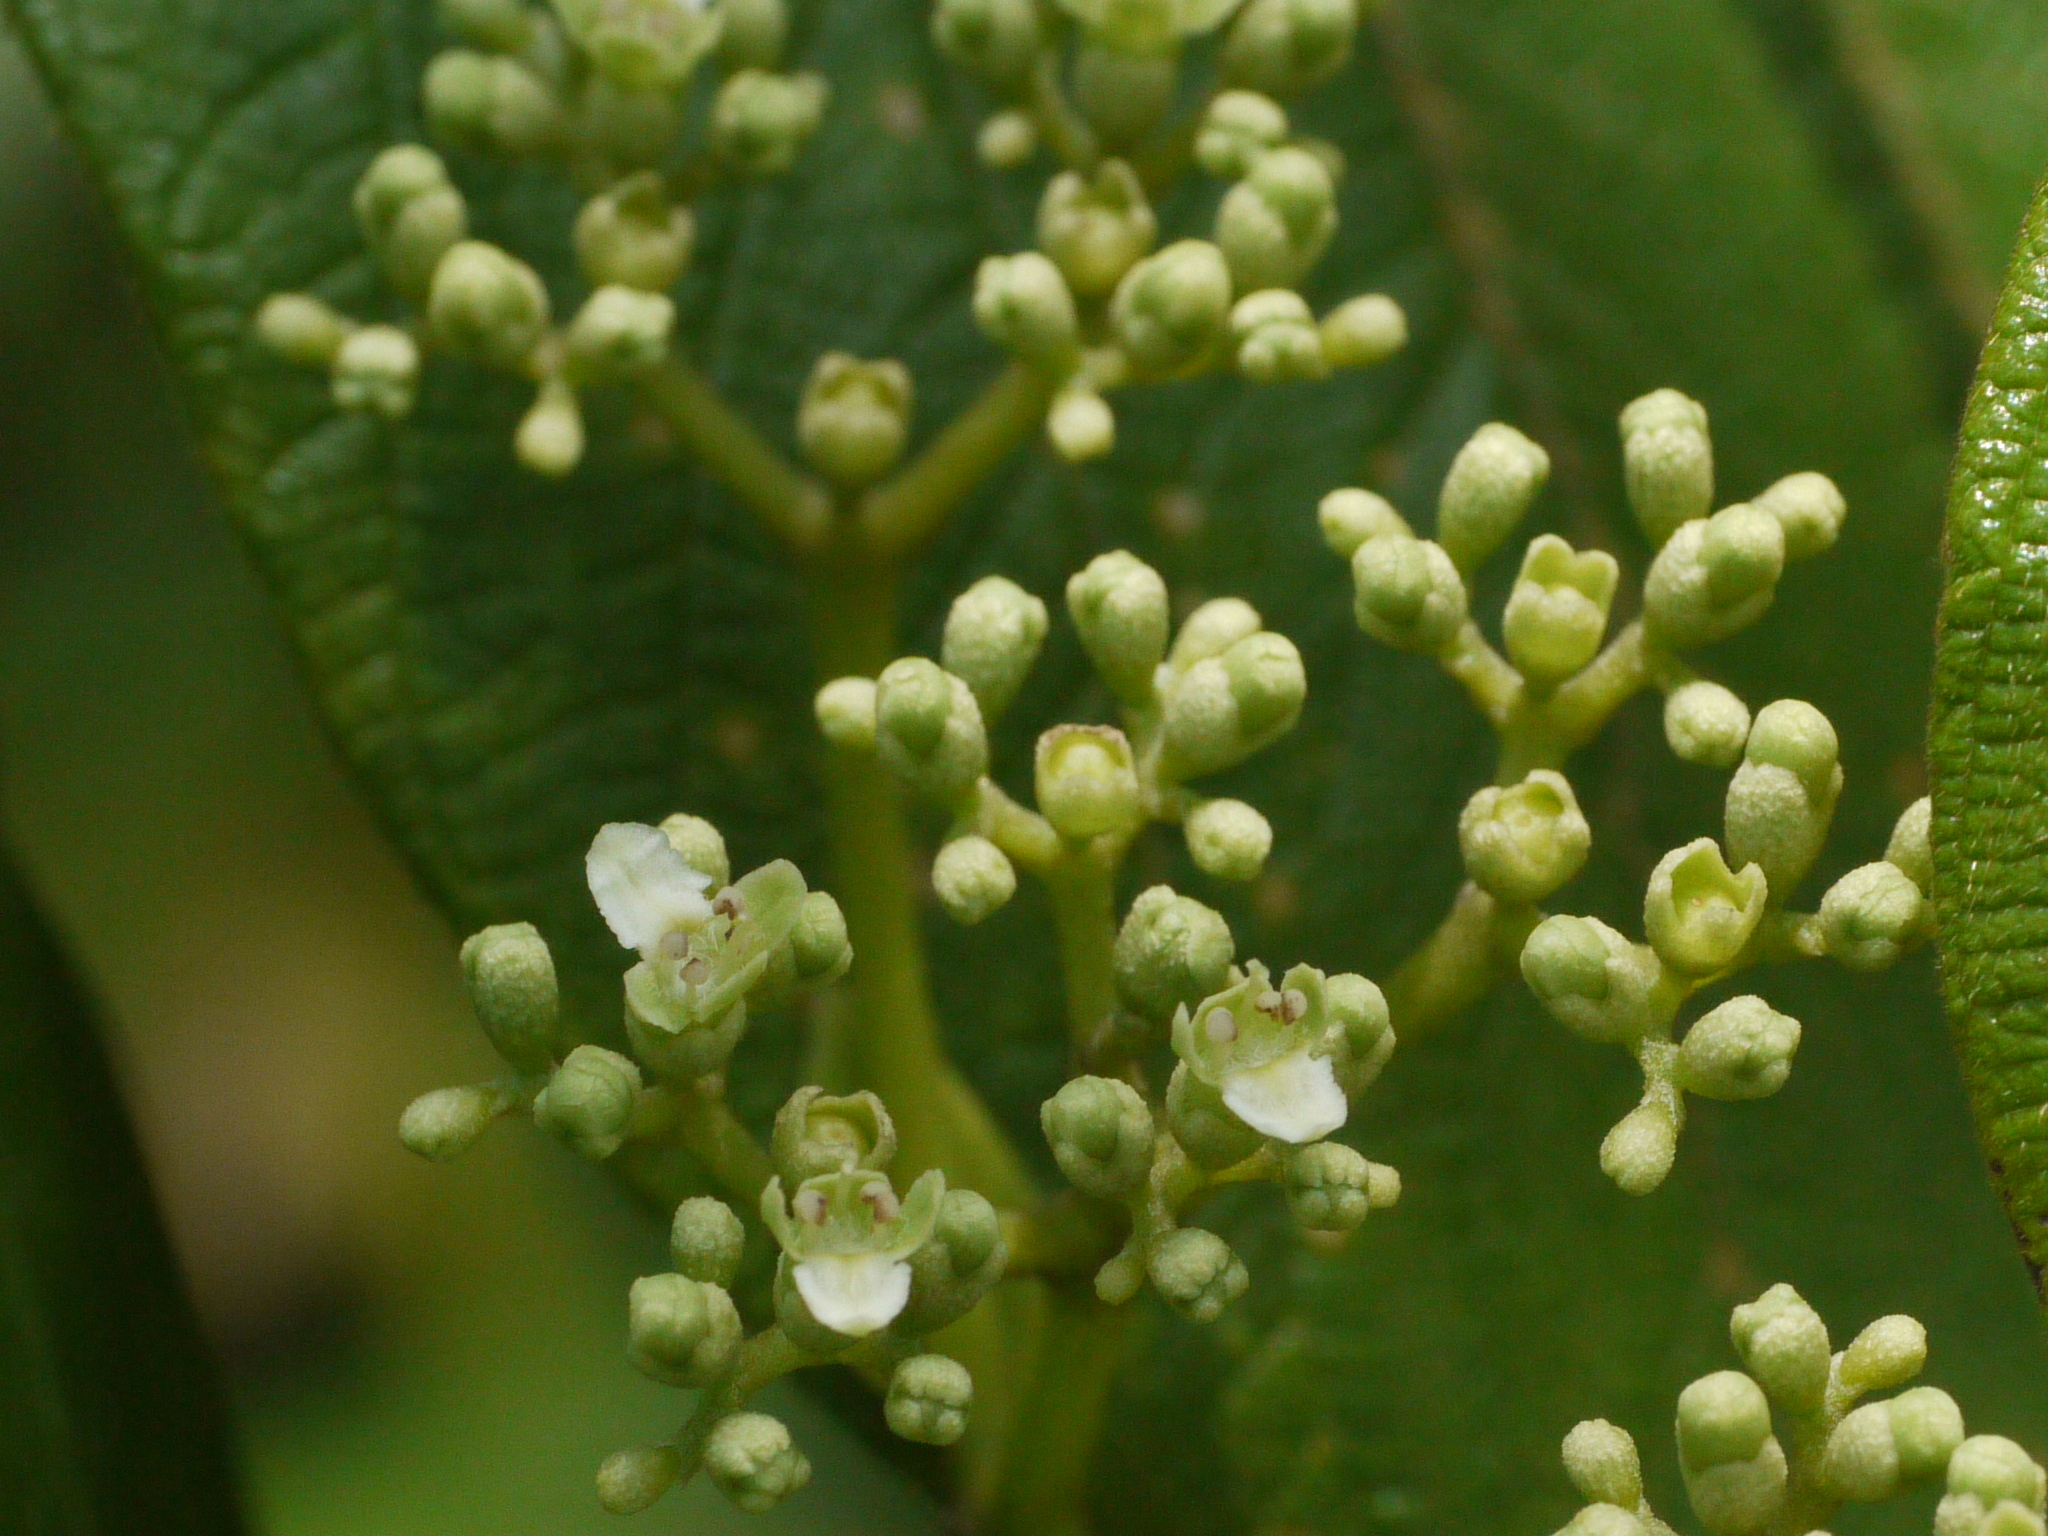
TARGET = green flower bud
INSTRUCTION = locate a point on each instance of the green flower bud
(300, 329)
(752, 33)
(1557, 613)
(1277, 340)
(1213, 629)
(761, 122)
(997, 41)
(1860, 1462)
(1594, 982)
(1228, 839)
(973, 879)
(1638, 1152)
(630, 1481)
(491, 103)
(1409, 594)
(377, 370)
(816, 1133)
(1361, 1036)
(1080, 425)
(854, 418)
(1523, 842)
(1870, 915)
(701, 846)
(642, 45)
(631, 237)
(619, 333)
(1887, 1354)
(1224, 708)
(754, 1462)
(1926, 1426)
(1705, 724)
(1491, 483)
(1810, 510)
(1604, 1520)
(410, 214)
(1087, 782)
(1363, 332)
(1784, 1345)
(818, 942)
(1238, 128)
(1119, 605)
(1602, 1463)
(1274, 226)
(1097, 227)
(496, 26)
(706, 1241)
(1698, 913)
(1741, 1050)
(589, 1100)
(961, 1264)
(1285, 47)
(1349, 517)
(487, 305)
(845, 708)
(1007, 140)
(928, 728)
(1171, 952)
(1782, 798)
(1196, 1273)
(1722, 1418)
(1994, 1469)
(511, 980)
(1713, 576)
(929, 1399)
(1329, 1187)
(993, 633)
(550, 436)
(1100, 1132)
(1668, 460)
(1123, 94)
(681, 1332)
(1022, 304)
(1211, 1135)
(1911, 849)
(1740, 1498)
(1171, 311)
(442, 1125)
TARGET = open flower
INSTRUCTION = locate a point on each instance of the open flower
(1267, 1053)
(847, 1240)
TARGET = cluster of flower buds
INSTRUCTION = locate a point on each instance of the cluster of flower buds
(1264, 1075)
(865, 1275)
(711, 949)
(1783, 1444)
(601, 88)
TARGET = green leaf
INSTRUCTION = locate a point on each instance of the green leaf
(1575, 204)
(114, 1415)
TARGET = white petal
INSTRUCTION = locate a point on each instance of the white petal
(1294, 1099)
(641, 884)
(854, 1293)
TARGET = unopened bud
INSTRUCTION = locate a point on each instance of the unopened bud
(928, 728)
(491, 102)
(1363, 332)
(1409, 594)
(1119, 605)
(1100, 1132)
(1224, 708)
(993, 633)
(1668, 460)
(550, 436)
(681, 1332)
(1784, 1345)
(1329, 1187)
(1593, 981)
(589, 1100)
(1285, 47)
(1741, 1050)
(1638, 1152)
(1006, 140)
(300, 329)
(929, 1400)
(642, 45)
(1994, 1469)
(1490, 485)
(1860, 1462)
(1557, 613)
(1096, 227)
(1348, 517)
(1228, 839)
(1196, 1273)
(442, 1125)
(1361, 1034)
(1171, 311)
(1705, 724)
(1722, 1418)
(706, 1241)
(1870, 915)
(752, 1459)
(487, 304)
(751, 33)
(1713, 576)
(1087, 782)
(1887, 1354)
(1601, 1460)
(511, 980)
(1698, 913)
(854, 418)
(1911, 848)
(761, 122)
(1604, 1520)
(1523, 842)
(1274, 226)
(1171, 952)
(845, 708)
(818, 942)
(410, 214)
(972, 878)
(631, 1481)
(630, 236)
(1212, 629)
(1276, 336)
(998, 41)
(1080, 425)
(818, 1133)
(619, 332)
(1022, 304)
(377, 370)
(1927, 1426)
(1123, 92)
(1809, 509)
(1238, 128)
(1782, 798)
(701, 846)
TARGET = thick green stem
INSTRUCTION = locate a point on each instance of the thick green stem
(762, 1359)
(793, 506)
(1053, 1447)
(1458, 964)
(1084, 912)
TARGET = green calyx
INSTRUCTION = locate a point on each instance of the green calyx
(817, 1133)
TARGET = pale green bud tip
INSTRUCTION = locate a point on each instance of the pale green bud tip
(1087, 781)
(1329, 1187)
(998, 40)
(1101, 1135)
(1491, 483)
(1238, 128)
(487, 304)
(972, 878)
(550, 436)
(754, 1462)
(1171, 309)
(300, 329)
(1911, 849)
(1022, 304)
(913, 700)
(444, 1124)
(680, 1331)
(1119, 605)
(1793, 735)
(761, 122)
(928, 728)
(1557, 611)
(1096, 228)
(1713, 577)
(1228, 839)
(589, 1100)
(992, 637)
(1926, 1426)
(1860, 1461)
(1699, 913)
(706, 1240)
(1283, 47)
(1213, 629)
(1222, 708)
(1705, 724)
(1080, 425)
(1007, 140)
(1741, 1050)
(854, 418)
(1602, 1463)
(700, 845)
(1638, 1153)
(1668, 462)
(1993, 1469)
(1887, 1354)
(1409, 594)
(618, 333)
(1363, 332)
(929, 1400)
(1722, 1418)
(1171, 950)
(1349, 517)
(511, 979)
(377, 370)
(845, 708)
(1809, 509)
(819, 941)
(1274, 225)
(1606, 1520)
(409, 213)
(1277, 340)
(493, 102)
(1868, 917)
(1785, 1345)
(630, 1481)
(1566, 957)
(1522, 843)
(1197, 1273)
(632, 237)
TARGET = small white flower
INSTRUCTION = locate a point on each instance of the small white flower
(853, 1293)
(1293, 1098)
(642, 886)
